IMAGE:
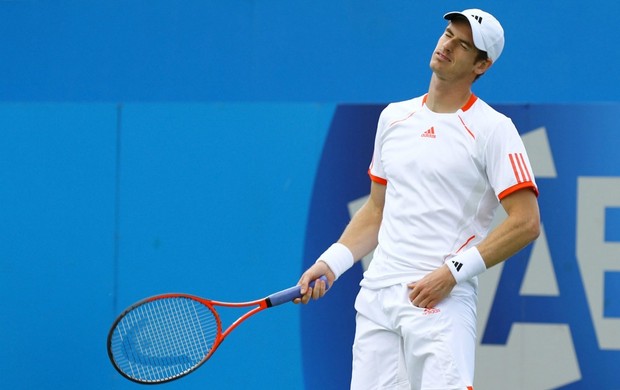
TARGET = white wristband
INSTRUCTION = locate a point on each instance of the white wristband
(338, 257)
(466, 265)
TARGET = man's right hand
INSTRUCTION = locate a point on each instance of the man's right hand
(320, 288)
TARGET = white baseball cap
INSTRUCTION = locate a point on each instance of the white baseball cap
(488, 34)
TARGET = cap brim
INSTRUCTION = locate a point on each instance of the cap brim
(454, 14)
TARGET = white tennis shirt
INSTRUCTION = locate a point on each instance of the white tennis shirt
(445, 175)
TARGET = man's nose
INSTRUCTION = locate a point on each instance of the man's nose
(448, 44)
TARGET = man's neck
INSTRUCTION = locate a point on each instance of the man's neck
(447, 97)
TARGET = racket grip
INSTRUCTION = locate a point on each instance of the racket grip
(289, 294)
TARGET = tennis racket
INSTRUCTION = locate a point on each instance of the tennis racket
(168, 336)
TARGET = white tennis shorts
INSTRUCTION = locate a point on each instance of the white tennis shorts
(402, 347)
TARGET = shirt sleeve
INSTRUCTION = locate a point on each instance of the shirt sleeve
(375, 171)
(508, 165)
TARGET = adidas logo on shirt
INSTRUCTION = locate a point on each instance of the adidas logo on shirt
(430, 133)
(430, 310)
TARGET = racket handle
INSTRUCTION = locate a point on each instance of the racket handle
(289, 294)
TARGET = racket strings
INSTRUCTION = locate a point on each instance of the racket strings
(164, 338)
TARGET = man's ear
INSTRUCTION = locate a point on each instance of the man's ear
(482, 66)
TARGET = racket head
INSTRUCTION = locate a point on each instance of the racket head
(163, 338)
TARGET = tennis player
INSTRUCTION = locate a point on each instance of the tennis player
(442, 163)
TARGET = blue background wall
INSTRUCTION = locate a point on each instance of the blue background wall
(283, 50)
(146, 145)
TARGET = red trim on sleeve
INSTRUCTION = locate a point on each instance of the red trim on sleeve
(377, 179)
(517, 187)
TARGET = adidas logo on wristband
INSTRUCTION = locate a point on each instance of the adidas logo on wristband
(475, 265)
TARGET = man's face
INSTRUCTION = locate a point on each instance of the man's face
(455, 55)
